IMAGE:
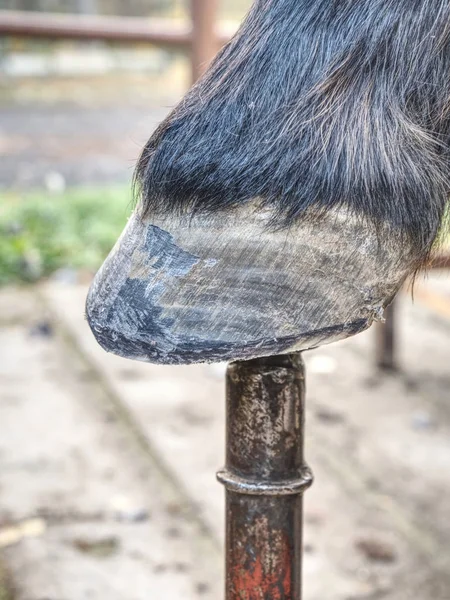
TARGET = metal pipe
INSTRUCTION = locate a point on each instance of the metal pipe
(204, 43)
(265, 477)
(85, 27)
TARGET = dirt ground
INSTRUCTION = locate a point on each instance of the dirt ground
(107, 467)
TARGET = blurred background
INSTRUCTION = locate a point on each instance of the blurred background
(107, 467)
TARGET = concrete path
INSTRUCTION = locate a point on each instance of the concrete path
(84, 510)
(110, 464)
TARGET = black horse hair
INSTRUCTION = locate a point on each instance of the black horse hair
(314, 105)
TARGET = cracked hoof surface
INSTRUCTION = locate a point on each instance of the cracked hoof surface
(209, 288)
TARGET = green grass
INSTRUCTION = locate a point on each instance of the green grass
(42, 232)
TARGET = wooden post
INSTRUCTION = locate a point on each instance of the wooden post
(385, 340)
(204, 40)
(265, 477)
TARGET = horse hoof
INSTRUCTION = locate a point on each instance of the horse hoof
(209, 288)
(336, 117)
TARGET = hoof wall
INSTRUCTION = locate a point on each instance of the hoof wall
(226, 287)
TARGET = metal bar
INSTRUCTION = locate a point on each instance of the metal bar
(265, 477)
(385, 340)
(84, 27)
(204, 44)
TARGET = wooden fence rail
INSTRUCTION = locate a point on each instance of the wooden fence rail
(201, 36)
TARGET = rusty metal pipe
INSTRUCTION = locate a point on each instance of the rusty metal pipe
(265, 477)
